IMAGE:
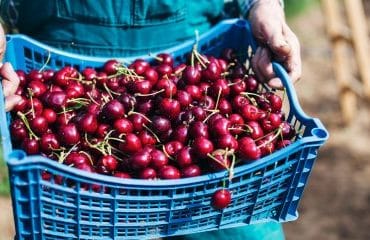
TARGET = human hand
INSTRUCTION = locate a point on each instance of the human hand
(10, 80)
(277, 40)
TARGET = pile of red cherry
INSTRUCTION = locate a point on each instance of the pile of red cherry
(150, 120)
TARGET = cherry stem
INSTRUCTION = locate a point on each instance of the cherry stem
(98, 146)
(192, 55)
(88, 156)
(91, 98)
(46, 63)
(231, 171)
(241, 129)
(166, 153)
(277, 134)
(210, 115)
(234, 83)
(218, 98)
(30, 92)
(149, 94)
(133, 112)
(150, 130)
(108, 90)
(26, 123)
(218, 161)
(79, 100)
(248, 96)
(63, 155)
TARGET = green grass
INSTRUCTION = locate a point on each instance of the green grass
(4, 181)
(294, 8)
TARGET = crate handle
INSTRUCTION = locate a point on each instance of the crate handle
(5, 135)
(288, 84)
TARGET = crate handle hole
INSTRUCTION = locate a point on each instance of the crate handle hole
(17, 155)
(320, 133)
(241, 23)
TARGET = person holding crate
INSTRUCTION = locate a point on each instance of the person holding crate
(125, 28)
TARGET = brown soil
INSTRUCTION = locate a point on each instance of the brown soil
(336, 202)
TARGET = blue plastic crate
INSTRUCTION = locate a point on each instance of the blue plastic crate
(266, 190)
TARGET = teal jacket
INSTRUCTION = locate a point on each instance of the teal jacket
(120, 28)
(115, 27)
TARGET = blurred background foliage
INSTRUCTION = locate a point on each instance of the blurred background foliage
(295, 7)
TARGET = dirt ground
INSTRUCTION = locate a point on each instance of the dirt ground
(336, 202)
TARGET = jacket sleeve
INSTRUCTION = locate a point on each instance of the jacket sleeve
(246, 5)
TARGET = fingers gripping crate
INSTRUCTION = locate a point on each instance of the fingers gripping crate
(72, 204)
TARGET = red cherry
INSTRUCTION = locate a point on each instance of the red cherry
(202, 147)
(165, 58)
(192, 170)
(77, 159)
(180, 133)
(50, 115)
(110, 162)
(35, 75)
(111, 66)
(167, 86)
(138, 121)
(151, 75)
(169, 172)
(224, 106)
(123, 125)
(227, 141)
(251, 84)
(170, 107)
(122, 175)
(140, 159)
(147, 138)
(49, 143)
(220, 126)
(131, 143)
(250, 112)
(88, 123)
(159, 159)
(68, 134)
(39, 124)
(220, 86)
(30, 146)
(238, 85)
(198, 129)
(18, 130)
(212, 72)
(183, 98)
(37, 88)
(219, 162)
(184, 157)
(221, 199)
(148, 173)
(173, 147)
(248, 149)
(161, 124)
(256, 131)
(113, 110)
(191, 75)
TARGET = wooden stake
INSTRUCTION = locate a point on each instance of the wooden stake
(341, 64)
(360, 39)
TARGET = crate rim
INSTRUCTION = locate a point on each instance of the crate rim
(101, 59)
